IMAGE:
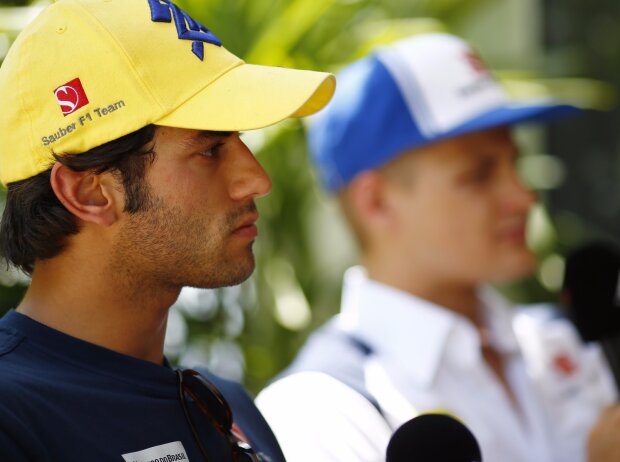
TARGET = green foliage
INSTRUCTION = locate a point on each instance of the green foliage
(293, 272)
(14, 2)
(301, 250)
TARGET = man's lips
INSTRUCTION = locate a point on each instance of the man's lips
(247, 228)
(514, 232)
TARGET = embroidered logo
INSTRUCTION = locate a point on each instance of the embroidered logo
(71, 96)
(564, 364)
(475, 62)
(187, 27)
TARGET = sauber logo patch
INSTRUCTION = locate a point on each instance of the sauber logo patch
(476, 62)
(564, 364)
(71, 96)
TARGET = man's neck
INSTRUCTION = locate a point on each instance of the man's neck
(460, 298)
(90, 303)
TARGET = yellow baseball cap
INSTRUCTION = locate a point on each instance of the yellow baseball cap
(86, 72)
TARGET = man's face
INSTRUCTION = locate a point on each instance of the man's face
(199, 225)
(462, 216)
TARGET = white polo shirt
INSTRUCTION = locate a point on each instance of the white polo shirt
(426, 358)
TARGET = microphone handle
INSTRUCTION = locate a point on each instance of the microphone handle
(611, 348)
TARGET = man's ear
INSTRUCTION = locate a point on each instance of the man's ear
(368, 199)
(91, 197)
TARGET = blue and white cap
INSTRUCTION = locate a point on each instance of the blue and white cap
(417, 91)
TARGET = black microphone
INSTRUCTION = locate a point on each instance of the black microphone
(433, 438)
(591, 296)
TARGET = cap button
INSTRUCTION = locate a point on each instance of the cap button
(61, 29)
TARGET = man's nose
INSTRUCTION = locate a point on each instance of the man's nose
(249, 179)
(518, 197)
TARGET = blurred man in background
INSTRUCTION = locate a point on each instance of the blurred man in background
(416, 144)
(127, 180)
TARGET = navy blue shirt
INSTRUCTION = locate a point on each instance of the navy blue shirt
(63, 399)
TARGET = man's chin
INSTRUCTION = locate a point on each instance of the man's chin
(239, 278)
(227, 275)
(516, 269)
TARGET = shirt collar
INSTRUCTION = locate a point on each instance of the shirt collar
(499, 316)
(416, 334)
(63, 348)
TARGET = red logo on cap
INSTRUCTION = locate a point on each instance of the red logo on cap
(475, 62)
(71, 96)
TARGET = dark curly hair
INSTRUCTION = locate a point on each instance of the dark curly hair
(35, 225)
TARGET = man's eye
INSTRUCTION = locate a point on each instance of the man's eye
(212, 151)
(481, 175)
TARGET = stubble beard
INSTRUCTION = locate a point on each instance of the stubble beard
(161, 247)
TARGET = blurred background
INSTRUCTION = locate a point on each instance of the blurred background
(564, 48)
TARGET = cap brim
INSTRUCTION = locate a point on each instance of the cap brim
(514, 114)
(251, 96)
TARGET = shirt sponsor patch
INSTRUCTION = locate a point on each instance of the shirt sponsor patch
(169, 452)
(564, 364)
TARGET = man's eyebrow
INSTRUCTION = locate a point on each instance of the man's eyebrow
(209, 134)
(205, 136)
(515, 154)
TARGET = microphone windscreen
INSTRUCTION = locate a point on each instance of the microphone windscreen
(433, 438)
(590, 290)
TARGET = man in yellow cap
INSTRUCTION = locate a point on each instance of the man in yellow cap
(127, 180)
